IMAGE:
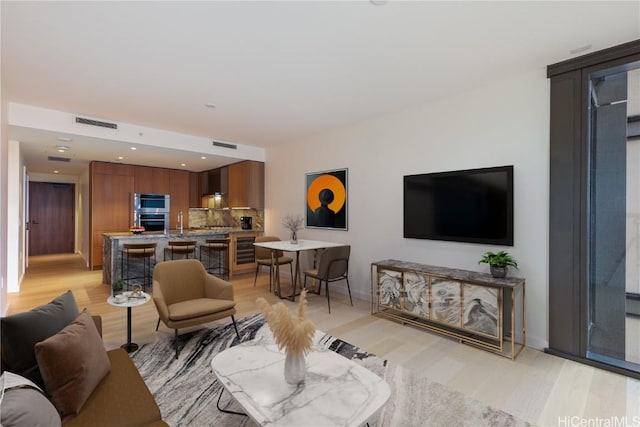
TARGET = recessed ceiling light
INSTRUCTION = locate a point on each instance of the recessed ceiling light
(56, 171)
(210, 105)
(203, 157)
(120, 158)
(133, 148)
(183, 164)
(64, 139)
(61, 148)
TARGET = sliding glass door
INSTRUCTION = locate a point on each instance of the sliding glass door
(613, 217)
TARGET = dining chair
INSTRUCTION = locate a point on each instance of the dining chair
(333, 265)
(263, 258)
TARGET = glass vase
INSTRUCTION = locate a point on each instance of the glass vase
(294, 237)
(295, 368)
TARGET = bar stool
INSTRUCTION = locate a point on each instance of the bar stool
(219, 247)
(135, 251)
(180, 247)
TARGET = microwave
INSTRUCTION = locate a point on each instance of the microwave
(151, 203)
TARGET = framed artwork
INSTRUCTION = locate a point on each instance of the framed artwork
(446, 302)
(481, 309)
(327, 199)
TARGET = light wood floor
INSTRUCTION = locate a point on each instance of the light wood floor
(539, 388)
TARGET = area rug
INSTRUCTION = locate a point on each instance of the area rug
(187, 392)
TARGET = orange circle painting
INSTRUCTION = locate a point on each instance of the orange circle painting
(326, 199)
(332, 183)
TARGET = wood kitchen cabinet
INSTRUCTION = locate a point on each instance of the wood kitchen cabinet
(112, 186)
(179, 192)
(152, 180)
(246, 184)
(195, 191)
(111, 203)
(242, 254)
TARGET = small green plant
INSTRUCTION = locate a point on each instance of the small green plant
(118, 285)
(498, 259)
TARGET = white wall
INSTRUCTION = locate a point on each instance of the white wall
(15, 217)
(4, 152)
(506, 123)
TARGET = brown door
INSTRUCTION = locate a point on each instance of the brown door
(51, 218)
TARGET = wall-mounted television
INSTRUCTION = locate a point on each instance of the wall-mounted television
(474, 205)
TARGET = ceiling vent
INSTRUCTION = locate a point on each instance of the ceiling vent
(225, 145)
(96, 123)
(59, 159)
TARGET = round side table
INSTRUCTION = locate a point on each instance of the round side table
(130, 301)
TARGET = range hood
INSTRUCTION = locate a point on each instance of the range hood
(214, 182)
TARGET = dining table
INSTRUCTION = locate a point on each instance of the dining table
(288, 246)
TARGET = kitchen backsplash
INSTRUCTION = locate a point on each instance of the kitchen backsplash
(202, 217)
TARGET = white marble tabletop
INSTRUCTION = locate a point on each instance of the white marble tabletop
(130, 301)
(336, 391)
(302, 245)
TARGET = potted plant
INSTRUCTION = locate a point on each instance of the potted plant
(498, 262)
(117, 287)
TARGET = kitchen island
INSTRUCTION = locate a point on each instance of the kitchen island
(113, 242)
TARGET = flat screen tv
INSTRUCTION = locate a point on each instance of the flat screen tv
(474, 205)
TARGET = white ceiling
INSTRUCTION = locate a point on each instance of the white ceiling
(276, 70)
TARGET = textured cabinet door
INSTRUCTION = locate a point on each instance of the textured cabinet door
(390, 289)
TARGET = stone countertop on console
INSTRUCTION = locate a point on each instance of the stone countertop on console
(453, 273)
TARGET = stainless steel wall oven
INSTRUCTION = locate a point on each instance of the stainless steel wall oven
(152, 211)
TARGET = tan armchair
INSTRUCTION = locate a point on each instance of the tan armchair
(186, 295)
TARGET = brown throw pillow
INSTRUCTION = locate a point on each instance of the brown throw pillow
(72, 364)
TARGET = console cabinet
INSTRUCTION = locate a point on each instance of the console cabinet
(474, 308)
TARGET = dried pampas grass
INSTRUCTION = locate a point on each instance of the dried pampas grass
(292, 333)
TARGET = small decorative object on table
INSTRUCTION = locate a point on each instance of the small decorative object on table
(136, 229)
(294, 334)
(498, 263)
(136, 292)
(293, 223)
